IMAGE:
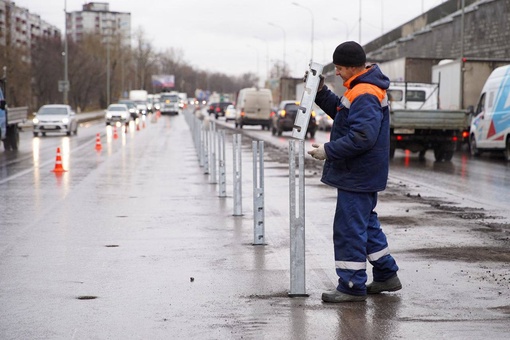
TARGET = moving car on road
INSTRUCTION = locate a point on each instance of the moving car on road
(285, 117)
(218, 109)
(117, 113)
(490, 129)
(55, 118)
(133, 110)
(324, 121)
(253, 107)
(169, 103)
(230, 113)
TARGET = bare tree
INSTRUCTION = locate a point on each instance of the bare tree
(279, 70)
(47, 70)
(143, 59)
(17, 63)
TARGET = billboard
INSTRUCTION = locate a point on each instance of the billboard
(163, 80)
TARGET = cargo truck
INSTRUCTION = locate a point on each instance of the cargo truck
(460, 83)
(422, 130)
(417, 125)
(10, 118)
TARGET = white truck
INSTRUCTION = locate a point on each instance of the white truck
(417, 125)
(490, 129)
(460, 83)
(137, 96)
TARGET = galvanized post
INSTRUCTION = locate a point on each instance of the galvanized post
(201, 146)
(297, 223)
(206, 149)
(212, 134)
(258, 193)
(196, 134)
(237, 176)
(222, 167)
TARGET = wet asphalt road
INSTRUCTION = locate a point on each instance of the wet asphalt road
(133, 242)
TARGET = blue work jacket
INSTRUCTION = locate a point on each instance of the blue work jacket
(358, 150)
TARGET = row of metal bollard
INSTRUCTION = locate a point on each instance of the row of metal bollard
(210, 146)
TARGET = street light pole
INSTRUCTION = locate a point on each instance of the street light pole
(311, 13)
(462, 56)
(346, 27)
(108, 37)
(66, 78)
(284, 42)
(359, 39)
(107, 71)
(267, 55)
(256, 50)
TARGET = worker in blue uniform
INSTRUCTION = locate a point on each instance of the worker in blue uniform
(356, 164)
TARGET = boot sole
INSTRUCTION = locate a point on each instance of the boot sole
(393, 289)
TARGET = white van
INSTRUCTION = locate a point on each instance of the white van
(490, 129)
(253, 107)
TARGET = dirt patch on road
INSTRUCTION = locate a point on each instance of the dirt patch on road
(465, 254)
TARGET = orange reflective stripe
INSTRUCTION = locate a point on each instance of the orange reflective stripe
(363, 88)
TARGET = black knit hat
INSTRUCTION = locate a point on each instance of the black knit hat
(349, 53)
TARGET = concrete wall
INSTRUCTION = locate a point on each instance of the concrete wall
(486, 35)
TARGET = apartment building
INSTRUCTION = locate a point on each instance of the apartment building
(20, 28)
(96, 18)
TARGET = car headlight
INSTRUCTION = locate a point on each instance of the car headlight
(65, 120)
(35, 121)
(108, 115)
(125, 115)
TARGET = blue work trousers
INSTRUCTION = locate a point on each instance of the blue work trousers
(358, 237)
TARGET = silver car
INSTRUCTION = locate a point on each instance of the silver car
(117, 113)
(55, 118)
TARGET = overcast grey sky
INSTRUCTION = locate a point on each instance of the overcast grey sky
(239, 36)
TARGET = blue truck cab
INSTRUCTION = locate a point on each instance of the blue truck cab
(10, 118)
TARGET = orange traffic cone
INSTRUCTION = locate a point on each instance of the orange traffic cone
(137, 126)
(115, 135)
(58, 163)
(98, 142)
(143, 124)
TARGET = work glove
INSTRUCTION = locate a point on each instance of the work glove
(318, 152)
(321, 81)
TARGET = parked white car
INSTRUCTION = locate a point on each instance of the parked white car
(55, 118)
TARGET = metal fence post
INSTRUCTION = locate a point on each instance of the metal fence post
(206, 148)
(198, 141)
(258, 193)
(222, 166)
(297, 223)
(212, 135)
(237, 170)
